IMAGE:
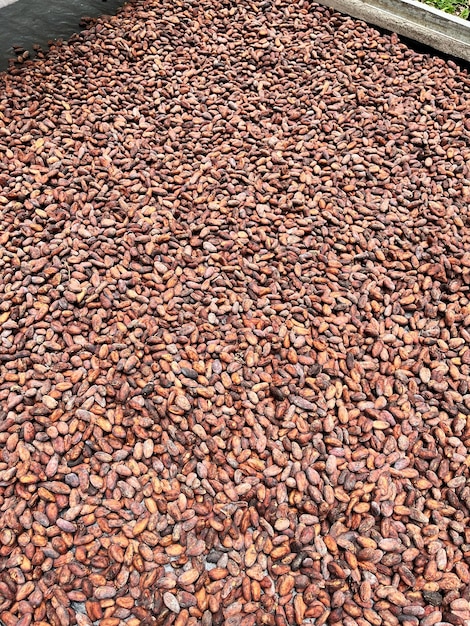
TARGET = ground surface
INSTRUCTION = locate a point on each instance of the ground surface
(234, 275)
(451, 6)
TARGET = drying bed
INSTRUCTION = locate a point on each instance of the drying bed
(235, 314)
(413, 19)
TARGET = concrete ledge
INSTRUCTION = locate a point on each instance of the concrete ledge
(414, 20)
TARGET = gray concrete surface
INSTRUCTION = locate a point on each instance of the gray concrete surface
(414, 20)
